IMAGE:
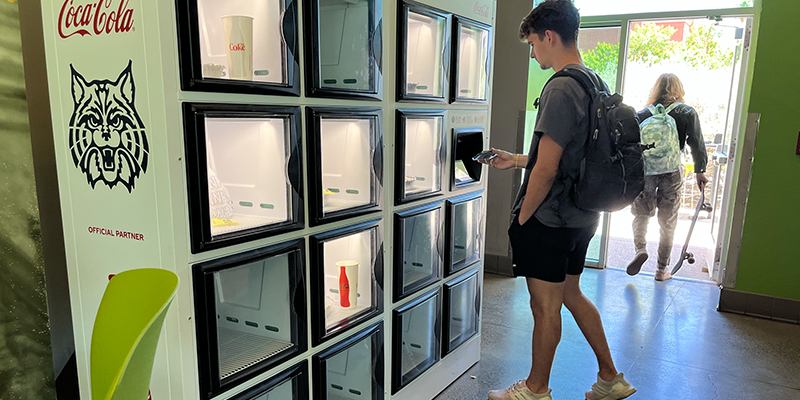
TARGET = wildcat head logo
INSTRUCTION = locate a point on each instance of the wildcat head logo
(106, 136)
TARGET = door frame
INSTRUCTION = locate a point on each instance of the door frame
(623, 21)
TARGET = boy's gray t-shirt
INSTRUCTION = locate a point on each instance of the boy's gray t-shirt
(562, 116)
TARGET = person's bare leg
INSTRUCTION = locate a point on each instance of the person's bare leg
(588, 319)
(546, 308)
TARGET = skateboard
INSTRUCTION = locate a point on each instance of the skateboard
(688, 255)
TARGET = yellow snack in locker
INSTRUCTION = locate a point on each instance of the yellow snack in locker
(220, 222)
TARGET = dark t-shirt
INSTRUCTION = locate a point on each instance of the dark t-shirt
(563, 106)
(689, 132)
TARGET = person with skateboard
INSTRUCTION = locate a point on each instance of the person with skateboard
(549, 235)
(667, 126)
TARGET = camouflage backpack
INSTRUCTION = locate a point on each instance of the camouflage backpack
(660, 136)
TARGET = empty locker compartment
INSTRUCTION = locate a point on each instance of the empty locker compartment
(345, 150)
(417, 329)
(352, 369)
(464, 218)
(423, 53)
(419, 154)
(467, 143)
(346, 278)
(291, 384)
(250, 314)
(244, 173)
(472, 44)
(461, 311)
(418, 255)
(344, 48)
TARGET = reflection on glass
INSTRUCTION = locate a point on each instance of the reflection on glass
(349, 279)
(345, 40)
(349, 373)
(248, 182)
(473, 54)
(253, 313)
(234, 32)
(347, 174)
(421, 257)
(284, 391)
(423, 145)
(420, 339)
(463, 314)
(466, 233)
(425, 49)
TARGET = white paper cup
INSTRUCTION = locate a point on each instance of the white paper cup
(351, 270)
(238, 31)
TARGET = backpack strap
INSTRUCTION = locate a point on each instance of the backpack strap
(672, 107)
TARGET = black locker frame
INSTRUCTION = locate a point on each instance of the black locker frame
(375, 334)
(312, 57)
(449, 268)
(400, 154)
(454, 94)
(205, 315)
(447, 346)
(399, 233)
(301, 389)
(316, 258)
(191, 69)
(194, 115)
(314, 150)
(474, 168)
(404, 6)
(399, 381)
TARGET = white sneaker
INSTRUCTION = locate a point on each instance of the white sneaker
(518, 391)
(663, 275)
(638, 260)
(617, 389)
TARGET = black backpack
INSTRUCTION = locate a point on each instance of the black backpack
(612, 174)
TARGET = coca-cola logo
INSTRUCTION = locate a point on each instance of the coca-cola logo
(94, 18)
(481, 9)
(236, 46)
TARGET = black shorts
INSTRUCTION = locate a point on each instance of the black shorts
(546, 253)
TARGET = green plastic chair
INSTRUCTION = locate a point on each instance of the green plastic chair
(126, 331)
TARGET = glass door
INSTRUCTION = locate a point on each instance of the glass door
(250, 313)
(472, 44)
(416, 336)
(346, 279)
(352, 369)
(344, 48)
(464, 219)
(291, 384)
(462, 305)
(418, 256)
(239, 46)
(244, 171)
(345, 170)
(419, 154)
(424, 53)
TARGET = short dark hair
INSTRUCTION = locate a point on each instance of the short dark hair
(559, 16)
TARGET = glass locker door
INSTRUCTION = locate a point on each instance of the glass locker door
(462, 307)
(416, 338)
(346, 279)
(291, 384)
(463, 233)
(418, 255)
(249, 313)
(352, 369)
(239, 46)
(344, 48)
(243, 165)
(467, 143)
(419, 154)
(345, 149)
(423, 53)
(472, 44)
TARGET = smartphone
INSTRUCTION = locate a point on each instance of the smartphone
(485, 155)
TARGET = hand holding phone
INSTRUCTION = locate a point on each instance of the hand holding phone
(485, 155)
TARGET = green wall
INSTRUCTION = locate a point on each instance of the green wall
(769, 261)
(26, 369)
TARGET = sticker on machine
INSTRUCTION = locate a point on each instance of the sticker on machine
(107, 139)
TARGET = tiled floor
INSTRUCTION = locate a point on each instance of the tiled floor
(667, 337)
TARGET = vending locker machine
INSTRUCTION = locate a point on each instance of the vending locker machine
(304, 166)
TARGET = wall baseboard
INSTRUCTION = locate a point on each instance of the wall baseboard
(759, 305)
(498, 264)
